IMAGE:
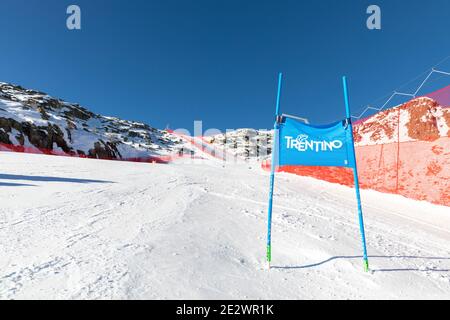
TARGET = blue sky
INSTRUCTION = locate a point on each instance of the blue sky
(172, 62)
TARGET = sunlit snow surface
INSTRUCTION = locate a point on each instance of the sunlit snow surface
(90, 229)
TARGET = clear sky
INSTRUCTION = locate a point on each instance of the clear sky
(173, 62)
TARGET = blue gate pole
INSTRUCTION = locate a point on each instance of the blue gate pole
(276, 128)
(355, 176)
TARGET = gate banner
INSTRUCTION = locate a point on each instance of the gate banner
(304, 144)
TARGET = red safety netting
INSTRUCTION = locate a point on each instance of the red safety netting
(419, 170)
(34, 150)
(442, 96)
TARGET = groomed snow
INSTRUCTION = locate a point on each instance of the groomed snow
(77, 229)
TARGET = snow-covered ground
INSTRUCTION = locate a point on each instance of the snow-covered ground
(78, 228)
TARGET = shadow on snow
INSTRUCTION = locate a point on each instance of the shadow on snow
(6, 184)
(44, 179)
(373, 257)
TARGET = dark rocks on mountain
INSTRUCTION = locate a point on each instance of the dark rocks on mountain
(422, 124)
(133, 134)
(79, 113)
(7, 125)
(45, 137)
(44, 114)
(39, 136)
(104, 150)
(4, 137)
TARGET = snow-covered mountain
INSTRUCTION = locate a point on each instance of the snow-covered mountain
(34, 119)
(420, 119)
(246, 143)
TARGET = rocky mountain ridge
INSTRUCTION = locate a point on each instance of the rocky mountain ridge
(33, 119)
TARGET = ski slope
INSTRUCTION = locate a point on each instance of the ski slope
(75, 228)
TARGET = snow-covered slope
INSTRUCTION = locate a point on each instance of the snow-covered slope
(81, 228)
(34, 119)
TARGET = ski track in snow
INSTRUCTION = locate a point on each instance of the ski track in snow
(91, 229)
